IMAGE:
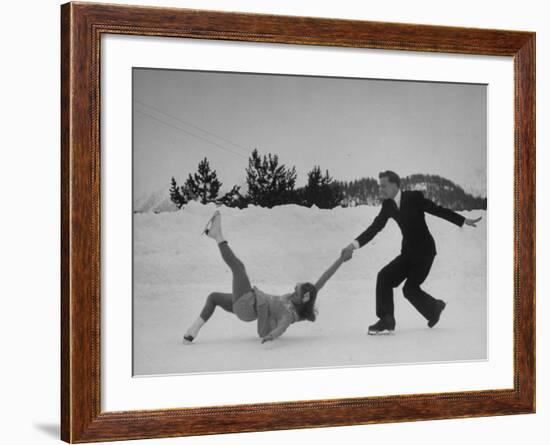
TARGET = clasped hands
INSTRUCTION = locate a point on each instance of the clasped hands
(347, 252)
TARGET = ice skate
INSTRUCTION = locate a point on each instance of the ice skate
(384, 326)
(213, 228)
(210, 222)
(187, 339)
(440, 306)
(193, 331)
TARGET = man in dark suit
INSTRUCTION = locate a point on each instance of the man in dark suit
(418, 251)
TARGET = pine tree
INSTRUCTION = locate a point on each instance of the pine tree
(177, 194)
(233, 198)
(269, 183)
(203, 185)
(321, 191)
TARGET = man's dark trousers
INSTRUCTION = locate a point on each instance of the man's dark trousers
(412, 269)
(417, 251)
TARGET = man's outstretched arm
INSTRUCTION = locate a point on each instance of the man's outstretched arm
(447, 214)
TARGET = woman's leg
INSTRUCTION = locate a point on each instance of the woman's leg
(241, 282)
(225, 301)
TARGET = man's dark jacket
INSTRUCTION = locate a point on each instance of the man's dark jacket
(417, 239)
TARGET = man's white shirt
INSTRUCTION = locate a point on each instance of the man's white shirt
(397, 198)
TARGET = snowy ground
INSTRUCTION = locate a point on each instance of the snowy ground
(175, 269)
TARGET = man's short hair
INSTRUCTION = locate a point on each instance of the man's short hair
(392, 177)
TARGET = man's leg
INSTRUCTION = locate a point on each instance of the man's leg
(390, 276)
(422, 301)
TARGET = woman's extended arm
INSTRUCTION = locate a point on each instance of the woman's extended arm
(281, 327)
(331, 270)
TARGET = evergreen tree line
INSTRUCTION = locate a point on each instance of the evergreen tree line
(271, 183)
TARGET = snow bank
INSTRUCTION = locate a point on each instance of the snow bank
(156, 202)
(175, 268)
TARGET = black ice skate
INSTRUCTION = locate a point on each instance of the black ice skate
(384, 326)
(440, 306)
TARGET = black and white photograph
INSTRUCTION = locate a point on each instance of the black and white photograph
(232, 222)
(286, 222)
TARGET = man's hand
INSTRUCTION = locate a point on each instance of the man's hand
(472, 222)
(347, 252)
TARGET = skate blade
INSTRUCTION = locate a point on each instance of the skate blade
(385, 332)
(207, 226)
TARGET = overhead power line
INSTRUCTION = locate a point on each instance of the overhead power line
(168, 124)
(185, 122)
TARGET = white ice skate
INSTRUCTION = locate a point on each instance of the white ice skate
(213, 228)
(188, 339)
(193, 330)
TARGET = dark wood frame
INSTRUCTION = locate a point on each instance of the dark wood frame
(82, 25)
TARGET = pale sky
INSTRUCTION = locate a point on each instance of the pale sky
(352, 127)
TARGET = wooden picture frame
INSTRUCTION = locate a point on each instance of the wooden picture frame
(82, 25)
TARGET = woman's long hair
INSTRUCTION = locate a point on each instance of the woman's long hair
(307, 310)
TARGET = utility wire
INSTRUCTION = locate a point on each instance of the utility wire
(184, 122)
(191, 134)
